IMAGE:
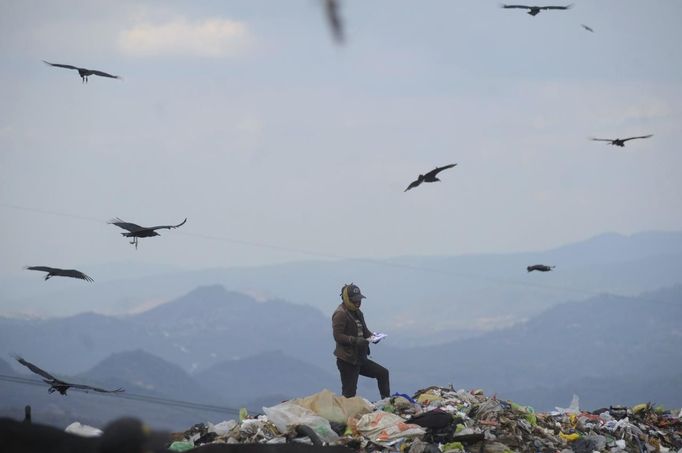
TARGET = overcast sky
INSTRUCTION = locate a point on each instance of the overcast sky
(245, 117)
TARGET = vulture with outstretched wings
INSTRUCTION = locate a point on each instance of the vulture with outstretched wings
(620, 141)
(83, 72)
(57, 385)
(136, 231)
(428, 177)
(535, 10)
(540, 267)
(56, 272)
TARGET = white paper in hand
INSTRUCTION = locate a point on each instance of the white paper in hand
(376, 337)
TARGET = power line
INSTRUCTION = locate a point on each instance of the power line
(317, 254)
(134, 397)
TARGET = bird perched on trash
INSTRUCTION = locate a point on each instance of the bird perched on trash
(535, 10)
(136, 231)
(57, 385)
(331, 8)
(428, 177)
(83, 72)
(620, 141)
(587, 28)
(56, 272)
(540, 267)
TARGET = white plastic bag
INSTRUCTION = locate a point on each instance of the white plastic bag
(287, 415)
(83, 430)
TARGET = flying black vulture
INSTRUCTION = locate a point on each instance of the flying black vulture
(334, 18)
(540, 267)
(137, 231)
(620, 141)
(587, 28)
(429, 177)
(57, 385)
(535, 10)
(56, 272)
(84, 73)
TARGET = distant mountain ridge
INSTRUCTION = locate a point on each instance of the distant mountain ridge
(204, 327)
(449, 296)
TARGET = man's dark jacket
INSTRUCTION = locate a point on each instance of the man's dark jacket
(346, 335)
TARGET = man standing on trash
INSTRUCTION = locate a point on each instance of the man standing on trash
(352, 345)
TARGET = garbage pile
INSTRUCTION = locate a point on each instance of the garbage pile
(440, 420)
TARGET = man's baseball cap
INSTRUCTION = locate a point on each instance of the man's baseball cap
(354, 293)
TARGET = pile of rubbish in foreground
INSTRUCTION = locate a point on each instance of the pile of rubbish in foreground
(436, 420)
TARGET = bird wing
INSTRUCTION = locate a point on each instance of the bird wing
(332, 10)
(41, 268)
(67, 66)
(516, 6)
(557, 7)
(413, 184)
(96, 389)
(168, 227)
(34, 368)
(641, 136)
(132, 227)
(75, 274)
(437, 170)
(602, 139)
(104, 74)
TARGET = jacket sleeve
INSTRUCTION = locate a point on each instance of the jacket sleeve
(339, 327)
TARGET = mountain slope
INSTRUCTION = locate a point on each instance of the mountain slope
(449, 297)
(271, 372)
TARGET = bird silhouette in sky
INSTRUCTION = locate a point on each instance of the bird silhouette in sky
(56, 272)
(136, 231)
(540, 267)
(57, 385)
(83, 72)
(535, 10)
(331, 8)
(587, 28)
(428, 177)
(620, 141)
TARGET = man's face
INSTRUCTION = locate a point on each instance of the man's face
(357, 302)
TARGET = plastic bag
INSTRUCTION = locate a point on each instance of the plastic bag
(384, 428)
(83, 430)
(334, 408)
(287, 415)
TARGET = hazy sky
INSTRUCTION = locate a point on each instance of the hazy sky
(246, 118)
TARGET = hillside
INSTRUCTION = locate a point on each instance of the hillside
(450, 297)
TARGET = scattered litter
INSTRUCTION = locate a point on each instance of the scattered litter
(445, 420)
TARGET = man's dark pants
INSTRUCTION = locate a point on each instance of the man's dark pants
(368, 368)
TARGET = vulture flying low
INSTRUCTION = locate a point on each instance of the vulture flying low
(540, 267)
(56, 272)
(620, 141)
(137, 231)
(535, 10)
(57, 385)
(84, 73)
(428, 177)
